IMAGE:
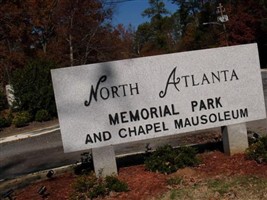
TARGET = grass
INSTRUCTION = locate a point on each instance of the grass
(235, 187)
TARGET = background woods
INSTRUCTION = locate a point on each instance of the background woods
(38, 35)
(71, 32)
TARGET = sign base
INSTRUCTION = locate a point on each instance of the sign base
(104, 161)
(235, 138)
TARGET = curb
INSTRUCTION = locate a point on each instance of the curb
(25, 180)
(26, 135)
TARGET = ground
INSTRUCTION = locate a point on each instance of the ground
(214, 178)
(218, 177)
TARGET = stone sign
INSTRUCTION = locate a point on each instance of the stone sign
(264, 82)
(129, 100)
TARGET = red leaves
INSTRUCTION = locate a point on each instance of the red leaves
(244, 22)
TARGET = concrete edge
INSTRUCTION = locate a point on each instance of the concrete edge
(25, 180)
(30, 134)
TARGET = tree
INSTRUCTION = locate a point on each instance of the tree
(157, 36)
(71, 32)
(11, 26)
(143, 36)
(247, 24)
(81, 25)
(41, 27)
(33, 88)
(25, 28)
(121, 40)
(156, 11)
(188, 11)
(243, 26)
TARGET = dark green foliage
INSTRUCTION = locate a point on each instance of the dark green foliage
(258, 151)
(167, 159)
(114, 184)
(161, 160)
(89, 186)
(6, 119)
(3, 101)
(33, 87)
(97, 190)
(86, 165)
(22, 119)
(157, 36)
(42, 115)
(84, 183)
(156, 10)
(186, 157)
(5, 122)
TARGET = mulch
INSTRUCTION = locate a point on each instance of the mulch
(148, 185)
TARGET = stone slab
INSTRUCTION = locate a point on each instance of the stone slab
(136, 99)
(264, 83)
(235, 139)
(104, 161)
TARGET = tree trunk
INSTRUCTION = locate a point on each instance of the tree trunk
(44, 48)
(71, 50)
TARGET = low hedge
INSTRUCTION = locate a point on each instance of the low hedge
(167, 159)
(21, 119)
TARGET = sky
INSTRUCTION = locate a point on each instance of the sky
(130, 12)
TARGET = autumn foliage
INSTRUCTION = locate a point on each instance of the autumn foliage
(76, 32)
(67, 32)
(195, 26)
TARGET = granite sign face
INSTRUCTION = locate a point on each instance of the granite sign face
(129, 100)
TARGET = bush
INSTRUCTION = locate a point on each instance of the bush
(88, 186)
(84, 183)
(4, 122)
(168, 160)
(98, 190)
(33, 88)
(22, 119)
(114, 184)
(3, 100)
(42, 115)
(86, 165)
(258, 150)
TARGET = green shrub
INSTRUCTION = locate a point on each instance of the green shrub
(42, 115)
(84, 183)
(86, 165)
(88, 186)
(114, 184)
(98, 190)
(4, 122)
(258, 151)
(3, 100)
(168, 160)
(22, 119)
(33, 88)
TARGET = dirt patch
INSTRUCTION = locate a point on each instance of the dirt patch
(57, 188)
(217, 163)
(142, 184)
(148, 185)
